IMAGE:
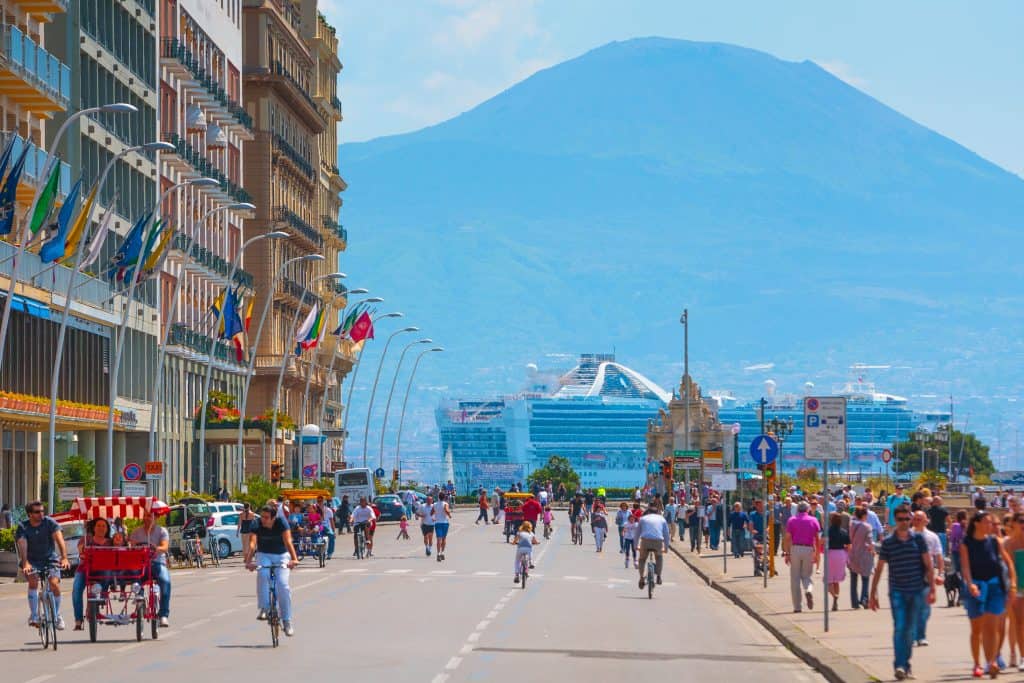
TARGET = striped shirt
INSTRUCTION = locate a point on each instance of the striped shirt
(906, 565)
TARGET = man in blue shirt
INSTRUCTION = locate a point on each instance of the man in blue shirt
(893, 502)
(738, 522)
(756, 526)
(41, 548)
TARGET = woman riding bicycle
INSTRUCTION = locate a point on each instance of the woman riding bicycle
(525, 540)
(271, 545)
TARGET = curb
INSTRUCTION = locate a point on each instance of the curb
(833, 666)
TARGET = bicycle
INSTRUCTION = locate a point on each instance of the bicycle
(524, 569)
(214, 550)
(46, 618)
(273, 615)
(652, 569)
(577, 530)
(547, 531)
(360, 542)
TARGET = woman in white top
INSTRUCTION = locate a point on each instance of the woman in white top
(525, 540)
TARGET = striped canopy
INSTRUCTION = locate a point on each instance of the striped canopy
(112, 507)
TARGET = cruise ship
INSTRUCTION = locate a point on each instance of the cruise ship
(875, 421)
(595, 415)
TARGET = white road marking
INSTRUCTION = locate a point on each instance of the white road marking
(618, 580)
(575, 578)
(219, 579)
(84, 662)
(310, 584)
(246, 604)
(176, 574)
(398, 571)
(466, 649)
(482, 625)
(453, 663)
(40, 679)
(197, 622)
(499, 606)
(353, 571)
(492, 614)
(171, 634)
(485, 573)
(225, 612)
(127, 648)
(473, 637)
(443, 571)
(439, 678)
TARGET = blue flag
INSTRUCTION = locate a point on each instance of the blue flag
(9, 194)
(6, 158)
(232, 319)
(55, 247)
(128, 253)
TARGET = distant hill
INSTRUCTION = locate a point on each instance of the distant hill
(803, 223)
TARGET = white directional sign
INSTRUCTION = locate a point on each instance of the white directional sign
(724, 482)
(825, 428)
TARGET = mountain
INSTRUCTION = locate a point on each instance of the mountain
(801, 221)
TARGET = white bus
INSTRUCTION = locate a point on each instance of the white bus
(354, 483)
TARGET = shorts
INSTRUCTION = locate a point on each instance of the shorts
(991, 598)
(441, 529)
(427, 529)
(48, 568)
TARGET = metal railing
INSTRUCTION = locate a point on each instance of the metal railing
(293, 154)
(210, 260)
(182, 335)
(35, 64)
(206, 169)
(296, 291)
(174, 49)
(283, 214)
(34, 163)
(278, 69)
(334, 227)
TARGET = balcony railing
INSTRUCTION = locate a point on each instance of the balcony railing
(205, 168)
(337, 104)
(183, 335)
(209, 260)
(35, 64)
(285, 215)
(293, 154)
(296, 291)
(34, 163)
(279, 70)
(333, 226)
(174, 49)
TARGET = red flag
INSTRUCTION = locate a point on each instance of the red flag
(362, 328)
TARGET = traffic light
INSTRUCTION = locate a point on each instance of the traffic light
(666, 469)
(769, 472)
(275, 472)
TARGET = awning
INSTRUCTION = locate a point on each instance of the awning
(31, 306)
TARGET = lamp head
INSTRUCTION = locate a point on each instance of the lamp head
(241, 206)
(335, 276)
(158, 146)
(276, 235)
(119, 108)
(396, 314)
(373, 300)
(436, 348)
(202, 182)
(358, 290)
(411, 329)
(425, 341)
(308, 257)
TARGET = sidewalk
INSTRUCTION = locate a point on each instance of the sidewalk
(858, 646)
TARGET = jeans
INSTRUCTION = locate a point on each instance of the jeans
(924, 612)
(682, 529)
(776, 538)
(715, 530)
(738, 543)
(599, 534)
(629, 546)
(801, 569)
(482, 515)
(330, 542)
(284, 591)
(622, 539)
(163, 579)
(905, 608)
(695, 537)
(78, 596)
(861, 597)
(942, 542)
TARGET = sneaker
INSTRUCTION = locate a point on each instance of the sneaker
(923, 642)
(531, 566)
(901, 673)
(33, 622)
(810, 606)
(164, 623)
(428, 551)
(977, 673)
(636, 565)
(289, 630)
(78, 626)
(439, 558)
(261, 615)
(60, 623)
(1000, 662)
(516, 580)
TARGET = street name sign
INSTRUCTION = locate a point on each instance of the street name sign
(825, 428)
(133, 488)
(764, 449)
(723, 482)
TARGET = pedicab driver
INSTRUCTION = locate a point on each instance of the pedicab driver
(40, 546)
(155, 536)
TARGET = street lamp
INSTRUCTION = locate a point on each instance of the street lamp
(205, 396)
(112, 108)
(337, 346)
(394, 380)
(355, 371)
(373, 392)
(254, 344)
(405, 402)
(172, 311)
(287, 350)
(122, 327)
(62, 333)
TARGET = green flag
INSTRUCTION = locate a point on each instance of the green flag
(46, 200)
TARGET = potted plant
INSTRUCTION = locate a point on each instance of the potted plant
(8, 556)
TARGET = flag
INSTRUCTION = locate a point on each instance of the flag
(78, 227)
(47, 198)
(8, 196)
(96, 245)
(155, 260)
(56, 247)
(144, 254)
(6, 158)
(302, 335)
(248, 313)
(217, 303)
(346, 325)
(231, 327)
(128, 253)
(362, 329)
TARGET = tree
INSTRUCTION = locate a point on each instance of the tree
(74, 471)
(558, 470)
(968, 452)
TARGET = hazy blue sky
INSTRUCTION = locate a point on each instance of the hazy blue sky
(956, 67)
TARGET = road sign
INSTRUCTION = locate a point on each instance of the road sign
(723, 482)
(154, 470)
(309, 471)
(70, 492)
(133, 488)
(886, 456)
(685, 460)
(379, 473)
(132, 472)
(825, 428)
(713, 462)
(764, 449)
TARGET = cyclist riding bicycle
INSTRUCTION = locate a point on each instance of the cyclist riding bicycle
(42, 549)
(652, 536)
(271, 544)
(577, 508)
(363, 518)
(525, 540)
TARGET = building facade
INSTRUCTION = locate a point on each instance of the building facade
(291, 64)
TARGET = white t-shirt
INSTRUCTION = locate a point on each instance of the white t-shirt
(361, 515)
(931, 540)
(525, 540)
(426, 513)
(543, 498)
(439, 514)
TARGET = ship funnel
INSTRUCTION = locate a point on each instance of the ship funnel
(769, 387)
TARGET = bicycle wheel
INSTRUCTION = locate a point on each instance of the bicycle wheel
(93, 617)
(322, 555)
(650, 581)
(140, 619)
(525, 569)
(51, 618)
(274, 620)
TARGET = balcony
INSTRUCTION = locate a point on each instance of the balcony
(30, 75)
(292, 220)
(293, 155)
(337, 105)
(210, 261)
(30, 176)
(335, 229)
(173, 49)
(182, 335)
(188, 154)
(42, 8)
(296, 291)
(291, 91)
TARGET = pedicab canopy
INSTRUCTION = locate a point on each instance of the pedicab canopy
(112, 507)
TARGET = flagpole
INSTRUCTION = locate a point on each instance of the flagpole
(205, 396)
(118, 107)
(337, 347)
(65, 314)
(255, 343)
(391, 393)
(373, 392)
(165, 333)
(356, 362)
(122, 328)
(292, 329)
(405, 403)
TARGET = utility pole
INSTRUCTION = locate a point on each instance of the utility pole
(685, 320)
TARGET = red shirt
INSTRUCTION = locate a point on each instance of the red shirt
(532, 510)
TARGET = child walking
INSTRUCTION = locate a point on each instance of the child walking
(548, 517)
(628, 541)
(403, 528)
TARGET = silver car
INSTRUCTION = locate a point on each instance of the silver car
(223, 536)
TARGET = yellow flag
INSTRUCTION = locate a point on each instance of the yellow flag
(78, 227)
(154, 258)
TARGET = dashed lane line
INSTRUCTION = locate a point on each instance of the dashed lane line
(453, 663)
(83, 662)
(127, 648)
(194, 624)
(40, 679)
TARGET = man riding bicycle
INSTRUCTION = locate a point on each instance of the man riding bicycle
(652, 536)
(363, 518)
(41, 548)
(577, 509)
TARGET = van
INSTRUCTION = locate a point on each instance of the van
(354, 483)
(187, 513)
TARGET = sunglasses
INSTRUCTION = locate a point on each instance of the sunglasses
(903, 519)
(36, 512)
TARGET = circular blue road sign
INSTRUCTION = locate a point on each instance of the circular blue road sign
(379, 473)
(131, 472)
(764, 449)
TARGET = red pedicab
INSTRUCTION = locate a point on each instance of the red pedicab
(119, 581)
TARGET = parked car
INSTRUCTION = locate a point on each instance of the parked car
(223, 533)
(73, 533)
(225, 507)
(390, 506)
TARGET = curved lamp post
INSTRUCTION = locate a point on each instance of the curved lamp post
(62, 333)
(373, 392)
(405, 402)
(255, 343)
(391, 393)
(346, 409)
(113, 108)
(123, 327)
(205, 396)
(334, 356)
(165, 334)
